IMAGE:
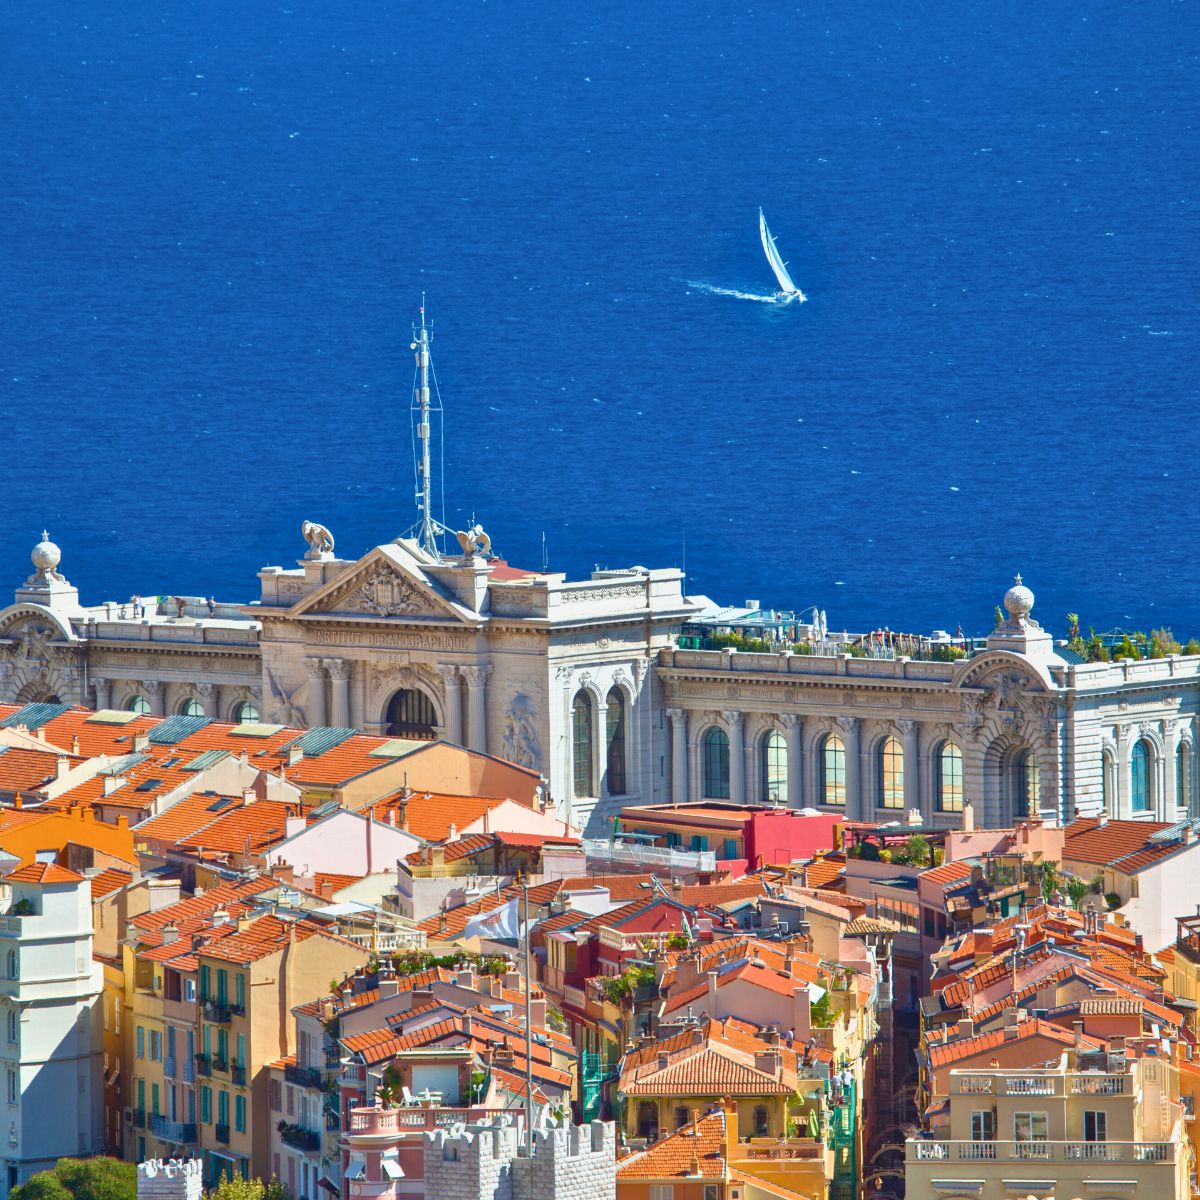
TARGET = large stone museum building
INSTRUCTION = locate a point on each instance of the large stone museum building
(583, 681)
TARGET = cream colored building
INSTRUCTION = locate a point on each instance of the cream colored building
(1093, 1124)
(583, 682)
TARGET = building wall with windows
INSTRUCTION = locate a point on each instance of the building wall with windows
(51, 1042)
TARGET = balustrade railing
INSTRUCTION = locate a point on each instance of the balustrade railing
(927, 1150)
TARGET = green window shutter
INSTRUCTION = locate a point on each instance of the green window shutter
(241, 991)
(154, 1099)
(241, 1049)
(206, 1104)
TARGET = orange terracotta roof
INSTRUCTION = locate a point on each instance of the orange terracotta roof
(24, 770)
(947, 874)
(620, 887)
(42, 872)
(329, 881)
(466, 847)
(200, 907)
(448, 925)
(109, 880)
(265, 936)
(822, 872)
(1120, 845)
(255, 827)
(695, 1151)
(185, 817)
(430, 815)
(945, 1054)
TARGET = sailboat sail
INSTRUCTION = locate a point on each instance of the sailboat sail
(773, 257)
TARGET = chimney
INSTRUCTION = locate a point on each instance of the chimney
(221, 917)
(294, 754)
(62, 764)
(112, 783)
(712, 993)
(285, 872)
(170, 935)
(75, 745)
(389, 985)
(1012, 1021)
(767, 1061)
(537, 1013)
(141, 741)
(452, 836)
(663, 1059)
(402, 811)
(248, 796)
(1078, 1028)
(966, 1027)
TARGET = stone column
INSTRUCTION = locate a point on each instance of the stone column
(103, 689)
(315, 670)
(910, 732)
(855, 800)
(1168, 791)
(206, 693)
(1122, 770)
(156, 694)
(793, 734)
(679, 755)
(452, 681)
(477, 678)
(737, 755)
(339, 685)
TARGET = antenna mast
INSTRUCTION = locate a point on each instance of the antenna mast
(428, 528)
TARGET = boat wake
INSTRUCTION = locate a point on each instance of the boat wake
(774, 298)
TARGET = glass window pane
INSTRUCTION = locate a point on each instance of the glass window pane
(1139, 773)
(833, 771)
(716, 764)
(614, 727)
(581, 745)
(950, 781)
(891, 774)
(774, 768)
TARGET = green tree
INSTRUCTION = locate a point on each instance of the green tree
(234, 1187)
(1076, 890)
(1125, 649)
(1191, 646)
(98, 1178)
(1162, 643)
(1050, 881)
(916, 851)
(820, 1012)
(1072, 626)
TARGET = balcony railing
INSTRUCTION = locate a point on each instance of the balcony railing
(169, 1067)
(782, 1150)
(188, 1069)
(220, 1064)
(307, 1077)
(139, 1118)
(638, 854)
(203, 1064)
(368, 1122)
(1029, 1085)
(299, 1138)
(975, 1085)
(178, 1132)
(221, 1132)
(923, 1150)
(216, 1012)
(238, 1073)
(1098, 1085)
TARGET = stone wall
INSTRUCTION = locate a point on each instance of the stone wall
(170, 1179)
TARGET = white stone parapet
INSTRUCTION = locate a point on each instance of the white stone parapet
(170, 1179)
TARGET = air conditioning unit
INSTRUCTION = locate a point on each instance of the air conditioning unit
(128, 1116)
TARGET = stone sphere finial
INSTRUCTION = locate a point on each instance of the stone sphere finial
(46, 555)
(1018, 600)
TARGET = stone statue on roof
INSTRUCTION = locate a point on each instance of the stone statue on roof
(319, 539)
(474, 541)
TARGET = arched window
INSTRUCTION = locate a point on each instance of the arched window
(1139, 777)
(12, 1025)
(1108, 792)
(191, 708)
(139, 705)
(716, 764)
(12, 965)
(773, 767)
(949, 779)
(891, 774)
(581, 745)
(246, 713)
(1183, 777)
(831, 767)
(410, 714)
(614, 737)
(1028, 784)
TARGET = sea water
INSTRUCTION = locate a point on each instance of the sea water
(219, 220)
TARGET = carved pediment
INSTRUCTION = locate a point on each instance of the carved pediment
(377, 587)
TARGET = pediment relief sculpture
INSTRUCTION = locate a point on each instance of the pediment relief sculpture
(380, 591)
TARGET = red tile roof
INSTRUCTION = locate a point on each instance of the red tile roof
(109, 880)
(945, 1054)
(265, 936)
(40, 872)
(430, 815)
(1123, 846)
(252, 827)
(947, 874)
(697, 1151)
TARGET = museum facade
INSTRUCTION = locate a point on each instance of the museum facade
(584, 682)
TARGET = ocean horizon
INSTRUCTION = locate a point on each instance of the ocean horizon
(220, 223)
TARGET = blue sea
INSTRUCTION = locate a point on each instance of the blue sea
(218, 220)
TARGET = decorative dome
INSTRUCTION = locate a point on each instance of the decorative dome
(46, 555)
(1018, 600)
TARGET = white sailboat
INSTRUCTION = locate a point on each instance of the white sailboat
(787, 288)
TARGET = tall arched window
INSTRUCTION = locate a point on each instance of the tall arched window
(12, 1025)
(13, 964)
(191, 708)
(246, 713)
(410, 714)
(1108, 791)
(614, 736)
(582, 758)
(949, 778)
(1140, 797)
(891, 774)
(140, 705)
(774, 767)
(831, 766)
(1183, 777)
(1028, 784)
(716, 764)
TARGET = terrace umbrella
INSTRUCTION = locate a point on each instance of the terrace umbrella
(814, 1128)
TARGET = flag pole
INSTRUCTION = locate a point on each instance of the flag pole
(528, 1026)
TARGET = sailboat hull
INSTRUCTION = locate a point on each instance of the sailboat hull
(788, 289)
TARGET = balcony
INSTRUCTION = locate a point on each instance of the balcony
(299, 1138)
(388, 1122)
(216, 1012)
(203, 1064)
(782, 1150)
(1189, 1107)
(220, 1064)
(1099, 1085)
(1029, 1085)
(920, 1150)
(306, 1077)
(188, 1071)
(139, 1118)
(172, 1131)
(238, 1074)
(221, 1133)
(975, 1085)
(640, 854)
